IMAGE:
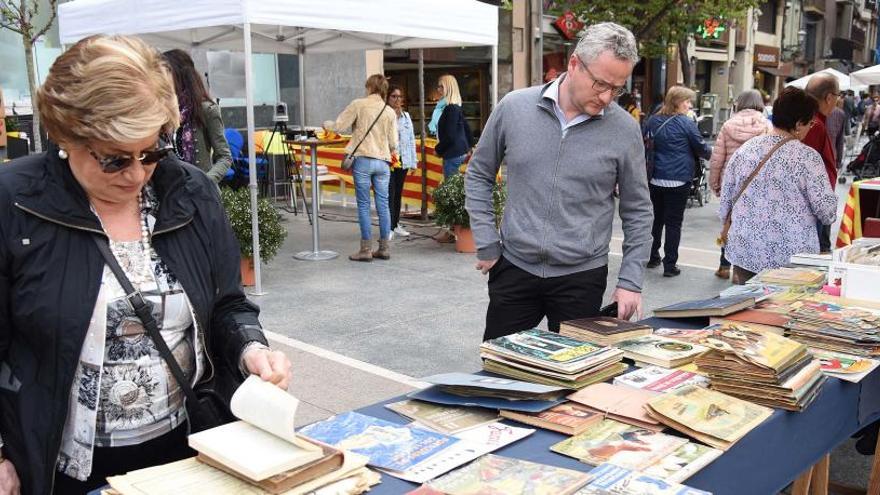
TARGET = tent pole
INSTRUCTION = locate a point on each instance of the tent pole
(301, 51)
(494, 76)
(252, 157)
(424, 156)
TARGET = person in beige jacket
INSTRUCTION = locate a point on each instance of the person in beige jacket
(374, 144)
(746, 123)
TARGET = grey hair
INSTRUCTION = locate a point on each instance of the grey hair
(750, 99)
(607, 37)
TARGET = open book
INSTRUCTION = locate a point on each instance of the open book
(263, 444)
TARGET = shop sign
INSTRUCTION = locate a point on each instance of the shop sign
(766, 56)
(568, 25)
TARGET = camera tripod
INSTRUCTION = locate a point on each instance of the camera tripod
(291, 166)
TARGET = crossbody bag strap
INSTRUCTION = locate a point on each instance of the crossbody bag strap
(369, 129)
(142, 310)
(751, 177)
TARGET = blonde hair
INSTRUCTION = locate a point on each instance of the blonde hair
(108, 88)
(377, 84)
(450, 89)
(674, 97)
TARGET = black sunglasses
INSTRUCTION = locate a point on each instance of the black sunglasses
(114, 163)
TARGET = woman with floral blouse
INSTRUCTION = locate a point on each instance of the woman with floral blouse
(776, 215)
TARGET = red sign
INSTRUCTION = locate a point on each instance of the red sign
(568, 25)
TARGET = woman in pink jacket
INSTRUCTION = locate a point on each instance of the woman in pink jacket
(746, 123)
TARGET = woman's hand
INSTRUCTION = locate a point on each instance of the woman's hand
(271, 366)
(9, 484)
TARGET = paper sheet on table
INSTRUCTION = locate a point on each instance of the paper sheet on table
(265, 406)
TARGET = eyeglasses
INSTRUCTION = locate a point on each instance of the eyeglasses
(114, 163)
(600, 85)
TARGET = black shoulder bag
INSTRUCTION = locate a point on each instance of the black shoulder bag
(348, 159)
(208, 405)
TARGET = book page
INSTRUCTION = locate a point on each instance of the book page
(267, 407)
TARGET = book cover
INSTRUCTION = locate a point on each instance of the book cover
(475, 385)
(791, 276)
(761, 348)
(619, 444)
(711, 413)
(716, 306)
(605, 325)
(492, 474)
(543, 346)
(683, 463)
(472, 444)
(569, 418)
(622, 403)
(388, 445)
(445, 419)
(435, 395)
(659, 379)
(844, 366)
(609, 479)
(659, 350)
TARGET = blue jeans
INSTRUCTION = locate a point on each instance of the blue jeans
(372, 172)
(451, 165)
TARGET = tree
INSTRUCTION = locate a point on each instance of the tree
(660, 23)
(20, 17)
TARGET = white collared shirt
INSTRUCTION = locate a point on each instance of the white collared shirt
(552, 93)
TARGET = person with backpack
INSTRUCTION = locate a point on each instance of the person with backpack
(673, 142)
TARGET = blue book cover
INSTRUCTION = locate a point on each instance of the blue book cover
(436, 395)
(388, 445)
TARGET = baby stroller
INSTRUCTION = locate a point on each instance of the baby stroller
(699, 192)
(867, 164)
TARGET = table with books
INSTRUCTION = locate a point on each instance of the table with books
(746, 401)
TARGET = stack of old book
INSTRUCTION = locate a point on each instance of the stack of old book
(709, 416)
(835, 328)
(761, 367)
(660, 351)
(716, 306)
(790, 276)
(603, 330)
(545, 357)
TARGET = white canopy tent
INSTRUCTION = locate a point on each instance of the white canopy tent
(843, 80)
(286, 26)
(867, 76)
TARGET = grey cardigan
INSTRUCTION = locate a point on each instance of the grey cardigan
(560, 206)
(212, 150)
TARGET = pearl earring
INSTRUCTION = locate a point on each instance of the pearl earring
(62, 154)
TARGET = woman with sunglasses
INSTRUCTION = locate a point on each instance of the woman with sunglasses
(408, 161)
(200, 139)
(84, 392)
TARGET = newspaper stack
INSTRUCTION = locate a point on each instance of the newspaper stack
(760, 367)
(835, 328)
(548, 358)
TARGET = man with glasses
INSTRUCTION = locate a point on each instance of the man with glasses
(824, 88)
(566, 145)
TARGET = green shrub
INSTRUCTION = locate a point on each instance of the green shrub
(449, 200)
(238, 209)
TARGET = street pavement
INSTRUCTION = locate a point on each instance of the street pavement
(362, 332)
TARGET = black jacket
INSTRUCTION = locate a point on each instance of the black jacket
(50, 273)
(454, 137)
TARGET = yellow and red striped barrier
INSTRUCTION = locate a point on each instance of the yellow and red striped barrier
(851, 222)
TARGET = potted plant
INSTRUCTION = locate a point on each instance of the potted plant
(238, 208)
(449, 210)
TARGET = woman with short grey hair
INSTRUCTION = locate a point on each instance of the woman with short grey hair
(746, 123)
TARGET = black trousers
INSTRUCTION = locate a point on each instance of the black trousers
(519, 300)
(824, 232)
(395, 194)
(669, 204)
(111, 461)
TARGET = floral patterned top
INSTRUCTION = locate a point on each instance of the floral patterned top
(124, 393)
(776, 216)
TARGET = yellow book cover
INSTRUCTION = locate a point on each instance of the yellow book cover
(710, 412)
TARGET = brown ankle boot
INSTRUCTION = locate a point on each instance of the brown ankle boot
(383, 253)
(723, 272)
(364, 254)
